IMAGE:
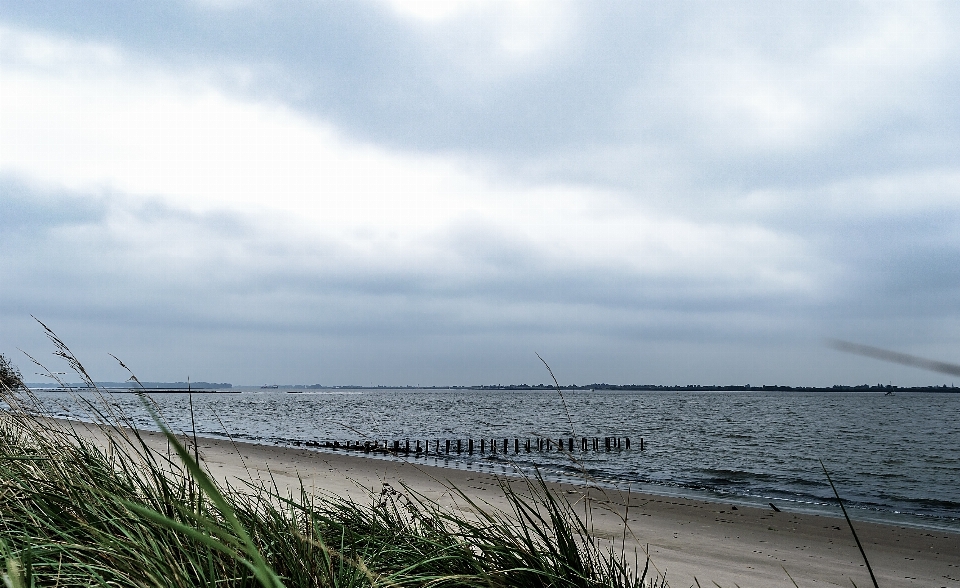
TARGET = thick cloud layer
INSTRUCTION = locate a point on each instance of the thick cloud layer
(430, 192)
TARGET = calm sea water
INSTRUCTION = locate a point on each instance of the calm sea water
(894, 458)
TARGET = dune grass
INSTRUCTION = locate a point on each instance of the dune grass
(113, 512)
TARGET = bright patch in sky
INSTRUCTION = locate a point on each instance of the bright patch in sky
(85, 119)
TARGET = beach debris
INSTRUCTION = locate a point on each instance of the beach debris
(774, 507)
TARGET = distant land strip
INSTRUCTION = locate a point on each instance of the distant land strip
(206, 387)
(656, 387)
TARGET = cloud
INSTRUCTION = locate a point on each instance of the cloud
(399, 177)
(748, 99)
(108, 125)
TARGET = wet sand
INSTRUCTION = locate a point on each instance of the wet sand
(689, 540)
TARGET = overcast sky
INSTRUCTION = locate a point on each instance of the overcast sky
(389, 192)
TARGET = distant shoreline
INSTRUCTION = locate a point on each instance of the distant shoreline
(129, 390)
(230, 389)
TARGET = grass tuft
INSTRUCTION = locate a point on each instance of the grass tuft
(79, 512)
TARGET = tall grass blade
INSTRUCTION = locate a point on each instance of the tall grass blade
(850, 524)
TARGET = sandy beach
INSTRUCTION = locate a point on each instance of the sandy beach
(690, 541)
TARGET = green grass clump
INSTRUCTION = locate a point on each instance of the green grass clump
(74, 512)
(10, 378)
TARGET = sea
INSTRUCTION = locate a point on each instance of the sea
(894, 459)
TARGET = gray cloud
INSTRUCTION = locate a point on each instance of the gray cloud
(628, 73)
(685, 107)
(27, 212)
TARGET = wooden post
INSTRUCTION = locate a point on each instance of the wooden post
(560, 444)
(504, 445)
(641, 443)
(482, 443)
(527, 445)
(459, 447)
(418, 447)
(627, 439)
(448, 445)
(570, 444)
(470, 446)
(606, 443)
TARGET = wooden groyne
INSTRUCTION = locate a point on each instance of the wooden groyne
(492, 446)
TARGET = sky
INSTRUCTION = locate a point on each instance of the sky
(433, 192)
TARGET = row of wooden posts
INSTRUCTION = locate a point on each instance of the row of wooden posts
(493, 446)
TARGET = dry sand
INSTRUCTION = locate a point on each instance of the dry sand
(689, 540)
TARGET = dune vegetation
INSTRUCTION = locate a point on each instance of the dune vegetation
(75, 511)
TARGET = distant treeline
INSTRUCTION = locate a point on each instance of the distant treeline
(147, 385)
(201, 386)
(656, 387)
